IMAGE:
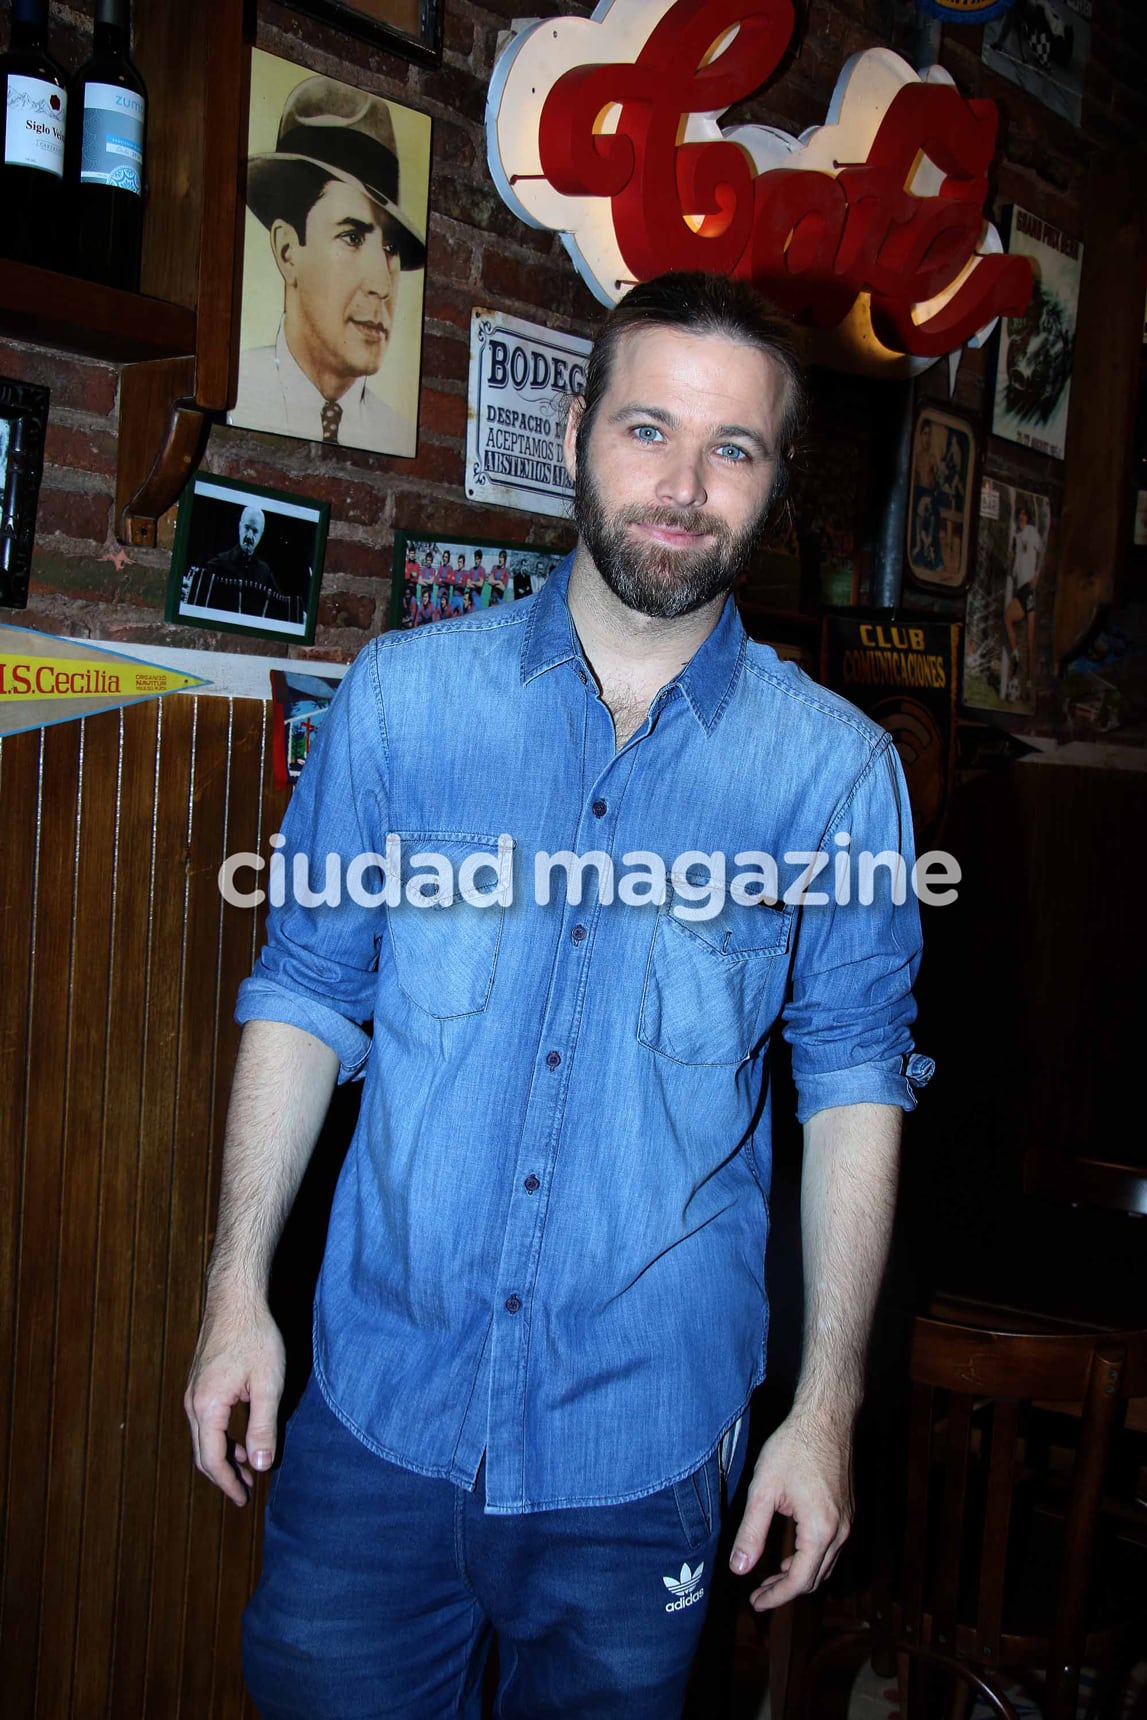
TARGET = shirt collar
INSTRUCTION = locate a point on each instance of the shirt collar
(706, 681)
(299, 390)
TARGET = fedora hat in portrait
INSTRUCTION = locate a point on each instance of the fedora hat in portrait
(347, 133)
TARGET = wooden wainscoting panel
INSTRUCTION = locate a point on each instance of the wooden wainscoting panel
(19, 810)
(33, 1386)
(123, 1573)
(82, 1079)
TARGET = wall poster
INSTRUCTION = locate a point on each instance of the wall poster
(247, 559)
(334, 258)
(940, 500)
(437, 578)
(1011, 566)
(521, 379)
(1043, 46)
(1033, 361)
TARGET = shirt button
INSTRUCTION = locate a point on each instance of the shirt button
(513, 1304)
(581, 675)
(578, 935)
(599, 809)
(553, 1058)
(531, 1184)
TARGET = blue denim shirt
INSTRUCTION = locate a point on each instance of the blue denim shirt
(547, 1243)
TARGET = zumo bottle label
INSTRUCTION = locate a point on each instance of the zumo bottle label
(113, 137)
(34, 124)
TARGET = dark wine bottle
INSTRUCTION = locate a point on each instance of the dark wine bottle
(35, 117)
(107, 120)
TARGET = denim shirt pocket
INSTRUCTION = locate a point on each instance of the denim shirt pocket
(714, 987)
(445, 947)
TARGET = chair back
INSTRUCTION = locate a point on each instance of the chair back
(971, 1390)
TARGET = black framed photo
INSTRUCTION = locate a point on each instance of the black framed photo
(940, 500)
(247, 560)
(23, 421)
(437, 578)
(412, 28)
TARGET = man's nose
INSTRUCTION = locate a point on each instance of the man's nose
(379, 270)
(681, 480)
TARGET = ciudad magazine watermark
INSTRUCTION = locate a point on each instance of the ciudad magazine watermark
(697, 884)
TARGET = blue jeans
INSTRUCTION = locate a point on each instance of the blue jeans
(382, 1591)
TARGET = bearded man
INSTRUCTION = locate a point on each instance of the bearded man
(542, 1308)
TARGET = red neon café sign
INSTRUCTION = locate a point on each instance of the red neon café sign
(869, 228)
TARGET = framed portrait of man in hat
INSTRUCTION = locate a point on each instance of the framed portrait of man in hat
(333, 262)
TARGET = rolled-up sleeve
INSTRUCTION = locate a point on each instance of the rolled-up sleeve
(317, 970)
(850, 1008)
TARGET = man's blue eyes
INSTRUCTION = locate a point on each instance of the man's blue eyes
(651, 435)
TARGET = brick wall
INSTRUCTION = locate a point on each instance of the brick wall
(85, 583)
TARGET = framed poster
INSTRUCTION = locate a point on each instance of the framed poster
(1011, 569)
(334, 257)
(940, 494)
(437, 578)
(23, 422)
(300, 702)
(521, 379)
(412, 28)
(1032, 380)
(247, 560)
(1043, 46)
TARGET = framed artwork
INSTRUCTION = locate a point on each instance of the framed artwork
(940, 492)
(300, 702)
(436, 578)
(23, 420)
(247, 560)
(1031, 384)
(412, 28)
(1043, 46)
(1012, 568)
(334, 255)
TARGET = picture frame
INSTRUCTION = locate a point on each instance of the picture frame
(256, 576)
(23, 424)
(419, 595)
(941, 500)
(1014, 582)
(412, 28)
(1043, 47)
(337, 195)
(1031, 356)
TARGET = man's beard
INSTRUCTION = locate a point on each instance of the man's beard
(649, 577)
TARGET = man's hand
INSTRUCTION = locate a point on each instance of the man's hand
(284, 1078)
(239, 1359)
(804, 1472)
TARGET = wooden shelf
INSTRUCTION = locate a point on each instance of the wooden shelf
(100, 322)
(177, 342)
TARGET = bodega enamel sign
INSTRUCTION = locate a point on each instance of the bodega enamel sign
(869, 228)
(521, 380)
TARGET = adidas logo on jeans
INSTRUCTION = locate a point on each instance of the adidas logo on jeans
(685, 1587)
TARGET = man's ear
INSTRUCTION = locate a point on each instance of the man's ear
(573, 420)
(284, 244)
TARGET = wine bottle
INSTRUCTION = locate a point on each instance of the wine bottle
(105, 165)
(35, 117)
